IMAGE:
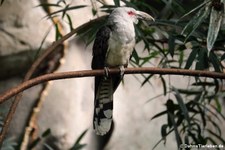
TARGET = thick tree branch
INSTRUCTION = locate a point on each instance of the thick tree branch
(89, 73)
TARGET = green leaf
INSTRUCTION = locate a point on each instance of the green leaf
(222, 57)
(164, 84)
(77, 145)
(177, 135)
(58, 35)
(39, 139)
(63, 1)
(94, 11)
(81, 136)
(70, 22)
(182, 105)
(215, 61)
(217, 86)
(218, 105)
(181, 58)
(202, 114)
(67, 8)
(149, 57)
(195, 9)
(203, 62)
(136, 57)
(46, 133)
(171, 43)
(117, 3)
(196, 21)
(159, 114)
(191, 58)
(190, 92)
(171, 107)
(216, 135)
(162, 139)
(216, 18)
(147, 79)
(164, 130)
(216, 125)
(34, 143)
(48, 5)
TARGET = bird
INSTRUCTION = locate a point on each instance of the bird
(112, 48)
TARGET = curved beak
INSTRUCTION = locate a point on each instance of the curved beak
(144, 16)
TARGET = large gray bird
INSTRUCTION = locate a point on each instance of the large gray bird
(113, 46)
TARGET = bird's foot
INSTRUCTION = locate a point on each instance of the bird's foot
(122, 70)
(106, 69)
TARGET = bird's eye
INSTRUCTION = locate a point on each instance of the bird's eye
(131, 13)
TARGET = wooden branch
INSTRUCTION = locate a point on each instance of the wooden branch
(89, 73)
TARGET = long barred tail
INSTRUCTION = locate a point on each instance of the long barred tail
(103, 107)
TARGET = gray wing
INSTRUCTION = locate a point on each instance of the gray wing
(100, 47)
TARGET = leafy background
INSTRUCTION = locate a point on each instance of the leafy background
(186, 34)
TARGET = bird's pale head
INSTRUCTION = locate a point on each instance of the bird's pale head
(128, 14)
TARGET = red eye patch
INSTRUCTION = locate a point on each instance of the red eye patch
(131, 13)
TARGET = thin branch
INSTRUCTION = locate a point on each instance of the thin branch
(89, 73)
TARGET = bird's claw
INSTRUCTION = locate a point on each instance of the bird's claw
(122, 70)
(106, 69)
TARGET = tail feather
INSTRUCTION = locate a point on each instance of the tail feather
(103, 107)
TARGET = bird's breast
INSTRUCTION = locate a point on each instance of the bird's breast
(121, 44)
(119, 51)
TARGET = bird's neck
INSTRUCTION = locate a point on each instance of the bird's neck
(124, 31)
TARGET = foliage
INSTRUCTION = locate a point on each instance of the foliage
(189, 37)
(78, 145)
(183, 36)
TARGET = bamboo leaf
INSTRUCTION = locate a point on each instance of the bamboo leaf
(164, 84)
(203, 61)
(117, 3)
(182, 105)
(48, 5)
(147, 79)
(136, 57)
(191, 58)
(70, 22)
(77, 145)
(177, 135)
(195, 9)
(66, 9)
(80, 137)
(159, 114)
(58, 35)
(171, 44)
(222, 57)
(164, 130)
(216, 18)
(215, 61)
(195, 22)
(216, 135)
